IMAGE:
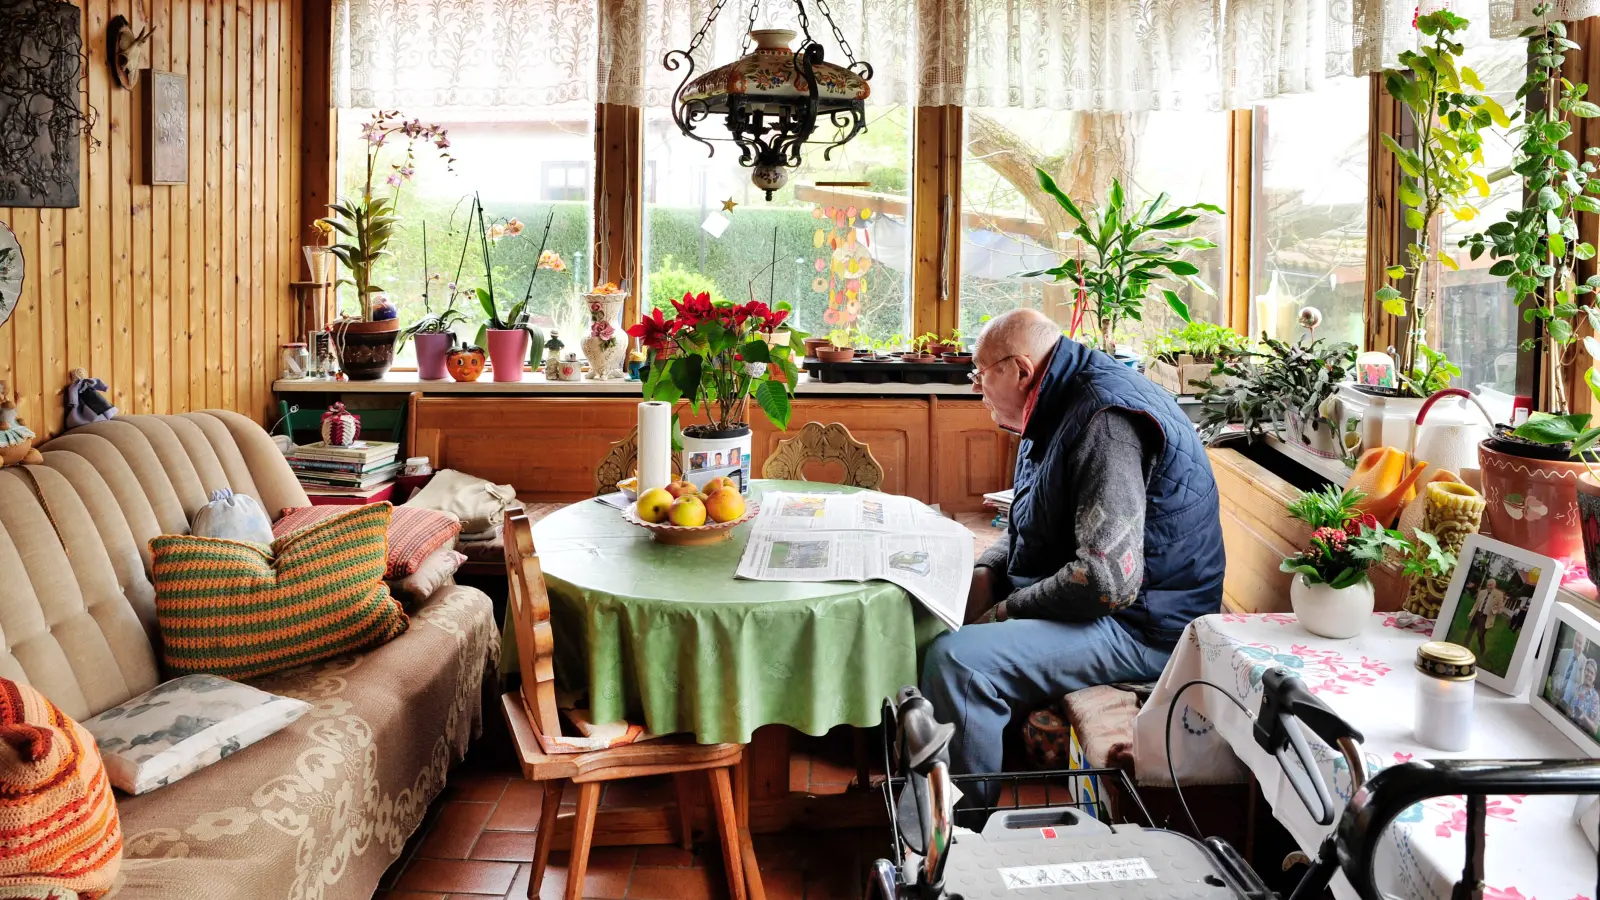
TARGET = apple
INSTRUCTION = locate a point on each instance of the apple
(720, 481)
(726, 504)
(679, 488)
(687, 512)
(654, 504)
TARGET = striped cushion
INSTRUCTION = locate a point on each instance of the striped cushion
(414, 533)
(58, 818)
(237, 610)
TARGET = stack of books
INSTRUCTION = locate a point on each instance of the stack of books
(1000, 502)
(361, 473)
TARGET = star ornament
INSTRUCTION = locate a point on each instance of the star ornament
(728, 205)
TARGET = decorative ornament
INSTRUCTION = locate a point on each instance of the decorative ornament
(16, 439)
(728, 205)
(772, 99)
(1310, 318)
(127, 50)
(340, 427)
(85, 401)
(465, 363)
(11, 272)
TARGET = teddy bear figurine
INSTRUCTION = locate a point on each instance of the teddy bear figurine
(16, 439)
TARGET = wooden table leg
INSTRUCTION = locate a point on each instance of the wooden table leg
(724, 811)
(768, 759)
(582, 836)
(549, 808)
(683, 787)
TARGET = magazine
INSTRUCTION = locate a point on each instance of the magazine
(861, 537)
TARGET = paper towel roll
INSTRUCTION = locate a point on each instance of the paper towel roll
(655, 444)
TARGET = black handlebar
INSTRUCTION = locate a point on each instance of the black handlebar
(1285, 703)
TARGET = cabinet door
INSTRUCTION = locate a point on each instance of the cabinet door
(895, 430)
(971, 455)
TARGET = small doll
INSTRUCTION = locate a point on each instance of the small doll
(85, 400)
(16, 439)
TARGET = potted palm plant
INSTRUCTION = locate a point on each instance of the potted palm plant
(1130, 248)
(713, 355)
(365, 343)
(1331, 593)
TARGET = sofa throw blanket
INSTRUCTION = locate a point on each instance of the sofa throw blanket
(242, 610)
(58, 819)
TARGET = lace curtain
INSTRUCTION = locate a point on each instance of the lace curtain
(453, 53)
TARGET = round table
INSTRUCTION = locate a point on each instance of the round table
(668, 633)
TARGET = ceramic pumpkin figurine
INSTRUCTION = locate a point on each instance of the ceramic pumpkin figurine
(340, 427)
(465, 363)
(16, 439)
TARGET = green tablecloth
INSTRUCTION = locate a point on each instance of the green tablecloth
(669, 635)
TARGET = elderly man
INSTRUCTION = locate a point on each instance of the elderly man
(1115, 543)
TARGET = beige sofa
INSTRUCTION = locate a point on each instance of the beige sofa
(319, 809)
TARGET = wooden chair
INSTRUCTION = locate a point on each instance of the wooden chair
(620, 462)
(532, 712)
(825, 443)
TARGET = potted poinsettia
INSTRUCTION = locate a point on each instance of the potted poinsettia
(1331, 593)
(714, 356)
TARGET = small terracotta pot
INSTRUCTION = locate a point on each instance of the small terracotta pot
(919, 358)
(812, 343)
(507, 350)
(1533, 503)
(365, 349)
(959, 359)
(431, 351)
(830, 354)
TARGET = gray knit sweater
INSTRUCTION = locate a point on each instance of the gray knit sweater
(1114, 456)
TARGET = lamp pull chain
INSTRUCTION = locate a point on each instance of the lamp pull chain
(700, 36)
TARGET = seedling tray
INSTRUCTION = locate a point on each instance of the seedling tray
(887, 371)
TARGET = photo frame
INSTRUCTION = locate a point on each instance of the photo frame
(1499, 600)
(1564, 692)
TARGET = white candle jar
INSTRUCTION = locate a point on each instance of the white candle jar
(1446, 680)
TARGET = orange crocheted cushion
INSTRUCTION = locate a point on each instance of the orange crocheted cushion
(241, 610)
(58, 818)
(414, 534)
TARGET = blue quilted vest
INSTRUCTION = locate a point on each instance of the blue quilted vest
(1183, 555)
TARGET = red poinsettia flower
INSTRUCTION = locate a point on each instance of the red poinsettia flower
(654, 332)
(772, 318)
(692, 310)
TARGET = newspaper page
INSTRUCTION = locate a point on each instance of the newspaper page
(860, 537)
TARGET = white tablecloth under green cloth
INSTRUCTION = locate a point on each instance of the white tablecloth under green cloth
(1534, 851)
(668, 637)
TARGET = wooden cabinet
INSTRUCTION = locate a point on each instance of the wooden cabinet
(971, 455)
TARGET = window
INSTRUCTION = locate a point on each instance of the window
(566, 180)
(1009, 225)
(1310, 212)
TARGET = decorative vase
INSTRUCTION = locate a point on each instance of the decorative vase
(603, 343)
(431, 351)
(319, 263)
(365, 349)
(1533, 503)
(708, 453)
(507, 349)
(1589, 517)
(1452, 510)
(340, 428)
(1337, 613)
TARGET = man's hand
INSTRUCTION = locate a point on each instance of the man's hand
(996, 613)
(980, 595)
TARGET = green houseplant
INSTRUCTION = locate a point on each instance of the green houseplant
(1282, 385)
(1331, 593)
(1448, 111)
(432, 331)
(1128, 248)
(508, 334)
(1182, 360)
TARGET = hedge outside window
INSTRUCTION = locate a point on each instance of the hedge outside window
(1310, 212)
(1009, 225)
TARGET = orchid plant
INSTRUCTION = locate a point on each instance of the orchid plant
(517, 316)
(713, 355)
(368, 222)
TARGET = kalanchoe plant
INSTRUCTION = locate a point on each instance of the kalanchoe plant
(1448, 111)
(1129, 249)
(1537, 246)
(367, 222)
(718, 359)
(1265, 386)
(1344, 542)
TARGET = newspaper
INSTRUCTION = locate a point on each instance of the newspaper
(860, 537)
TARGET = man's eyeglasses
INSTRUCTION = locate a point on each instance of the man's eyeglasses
(976, 375)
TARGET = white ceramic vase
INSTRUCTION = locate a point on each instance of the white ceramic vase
(605, 344)
(1336, 613)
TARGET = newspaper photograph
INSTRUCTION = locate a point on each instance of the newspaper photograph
(928, 555)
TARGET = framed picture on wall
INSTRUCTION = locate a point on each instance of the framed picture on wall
(1567, 688)
(166, 121)
(1496, 607)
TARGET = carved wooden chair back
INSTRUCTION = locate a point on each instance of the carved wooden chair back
(825, 443)
(620, 462)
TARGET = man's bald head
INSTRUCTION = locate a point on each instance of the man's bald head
(1017, 332)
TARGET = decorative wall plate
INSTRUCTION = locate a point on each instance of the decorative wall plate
(11, 264)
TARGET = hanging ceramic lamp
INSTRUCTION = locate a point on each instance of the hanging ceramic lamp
(773, 99)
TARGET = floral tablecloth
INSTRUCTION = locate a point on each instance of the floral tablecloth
(1534, 850)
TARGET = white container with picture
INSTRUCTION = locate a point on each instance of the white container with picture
(1497, 606)
(709, 453)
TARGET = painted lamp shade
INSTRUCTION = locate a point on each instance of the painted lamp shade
(769, 72)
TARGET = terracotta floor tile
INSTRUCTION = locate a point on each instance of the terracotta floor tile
(475, 787)
(458, 876)
(778, 851)
(604, 885)
(518, 809)
(555, 883)
(677, 884)
(519, 885)
(783, 884)
(455, 829)
(665, 856)
(506, 846)
(611, 858)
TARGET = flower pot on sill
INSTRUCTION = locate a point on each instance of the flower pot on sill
(812, 344)
(708, 453)
(830, 354)
(1533, 503)
(919, 358)
(431, 352)
(1183, 378)
(1329, 612)
(959, 359)
(365, 349)
(507, 349)
(1589, 520)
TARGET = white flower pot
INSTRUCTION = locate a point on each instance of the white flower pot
(704, 458)
(1329, 612)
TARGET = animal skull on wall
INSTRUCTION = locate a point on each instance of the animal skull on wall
(127, 50)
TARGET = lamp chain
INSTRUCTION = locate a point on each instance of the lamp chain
(838, 35)
(700, 36)
(744, 50)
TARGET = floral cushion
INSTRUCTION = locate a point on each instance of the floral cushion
(414, 534)
(184, 725)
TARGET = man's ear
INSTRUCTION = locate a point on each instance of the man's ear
(1026, 367)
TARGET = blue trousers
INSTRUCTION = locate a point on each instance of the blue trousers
(978, 677)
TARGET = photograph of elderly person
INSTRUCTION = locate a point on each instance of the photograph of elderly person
(1494, 602)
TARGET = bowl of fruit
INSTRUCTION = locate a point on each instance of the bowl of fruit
(686, 515)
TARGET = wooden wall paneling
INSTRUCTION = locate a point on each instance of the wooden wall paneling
(98, 165)
(176, 340)
(119, 149)
(215, 239)
(938, 141)
(1385, 231)
(1241, 181)
(969, 455)
(314, 96)
(137, 334)
(618, 204)
(24, 377)
(256, 336)
(896, 429)
(200, 169)
(160, 325)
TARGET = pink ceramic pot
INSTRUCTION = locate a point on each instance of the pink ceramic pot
(507, 351)
(431, 351)
(1533, 503)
